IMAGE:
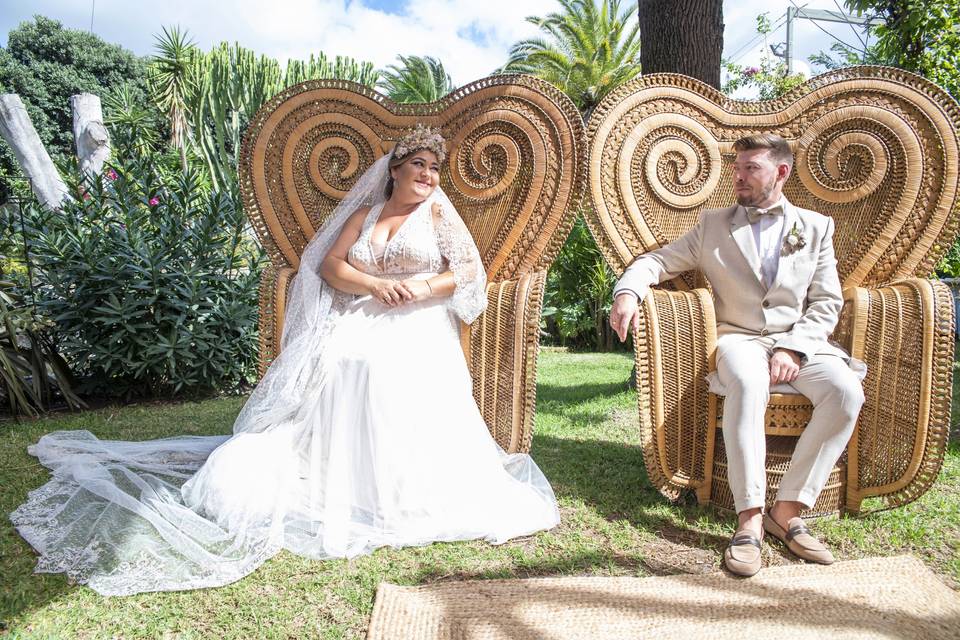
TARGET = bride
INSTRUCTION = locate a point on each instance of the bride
(363, 433)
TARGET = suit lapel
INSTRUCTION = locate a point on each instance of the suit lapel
(742, 234)
(785, 264)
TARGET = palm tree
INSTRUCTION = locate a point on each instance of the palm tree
(171, 78)
(416, 79)
(588, 49)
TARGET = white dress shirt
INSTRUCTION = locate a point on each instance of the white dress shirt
(768, 236)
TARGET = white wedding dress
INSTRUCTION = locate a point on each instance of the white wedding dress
(379, 444)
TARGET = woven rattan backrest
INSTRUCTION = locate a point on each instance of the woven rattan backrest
(514, 169)
(875, 148)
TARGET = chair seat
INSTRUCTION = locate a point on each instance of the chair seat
(787, 413)
(717, 388)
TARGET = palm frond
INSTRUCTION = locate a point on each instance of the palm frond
(587, 49)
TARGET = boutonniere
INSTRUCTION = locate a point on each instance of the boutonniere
(793, 241)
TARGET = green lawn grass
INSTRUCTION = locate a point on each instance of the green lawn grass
(586, 442)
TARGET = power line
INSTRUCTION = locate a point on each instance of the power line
(760, 36)
(817, 25)
(855, 32)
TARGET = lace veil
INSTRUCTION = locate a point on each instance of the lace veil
(147, 500)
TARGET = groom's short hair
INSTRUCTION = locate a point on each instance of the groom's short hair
(779, 148)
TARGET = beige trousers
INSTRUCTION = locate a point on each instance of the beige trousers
(826, 380)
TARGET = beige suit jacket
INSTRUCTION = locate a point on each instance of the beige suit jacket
(801, 307)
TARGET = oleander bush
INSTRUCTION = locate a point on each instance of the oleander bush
(151, 280)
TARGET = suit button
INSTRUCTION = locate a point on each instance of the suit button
(766, 303)
(763, 332)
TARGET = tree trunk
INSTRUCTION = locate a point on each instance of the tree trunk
(17, 129)
(682, 36)
(91, 137)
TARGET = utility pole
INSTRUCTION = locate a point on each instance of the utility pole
(821, 15)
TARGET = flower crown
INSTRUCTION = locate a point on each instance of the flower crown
(422, 137)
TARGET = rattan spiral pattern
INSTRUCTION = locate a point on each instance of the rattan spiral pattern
(515, 171)
(876, 149)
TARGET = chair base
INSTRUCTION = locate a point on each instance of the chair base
(831, 501)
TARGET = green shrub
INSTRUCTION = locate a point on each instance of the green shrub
(949, 265)
(32, 373)
(151, 279)
(578, 295)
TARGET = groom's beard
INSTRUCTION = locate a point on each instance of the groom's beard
(754, 199)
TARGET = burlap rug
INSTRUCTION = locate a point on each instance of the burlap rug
(871, 598)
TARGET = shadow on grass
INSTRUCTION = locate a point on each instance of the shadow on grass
(610, 477)
(566, 395)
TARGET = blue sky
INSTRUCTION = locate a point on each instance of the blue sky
(471, 37)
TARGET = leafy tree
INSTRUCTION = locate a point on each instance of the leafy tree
(578, 294)
(841, 55)
(922, 36)
(587, 49)
(45, 64)
(416, 79)
(136, 127)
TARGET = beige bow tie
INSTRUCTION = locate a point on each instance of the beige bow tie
(754, 213)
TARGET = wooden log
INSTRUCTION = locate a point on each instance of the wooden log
(17, 129)
(89, 133)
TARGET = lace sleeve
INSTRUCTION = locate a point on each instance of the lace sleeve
(469, 298)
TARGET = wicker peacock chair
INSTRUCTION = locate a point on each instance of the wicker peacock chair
(877, 150)
(514, 172)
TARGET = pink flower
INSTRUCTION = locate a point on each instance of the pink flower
(751, 71)
(154, 201)
(112, 174)
(86, 196)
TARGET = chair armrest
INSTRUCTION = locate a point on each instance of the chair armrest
(674, 351)
(904, 332)
(501, 351)
(274, 285)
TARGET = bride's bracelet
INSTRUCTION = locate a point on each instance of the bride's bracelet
(429, 287)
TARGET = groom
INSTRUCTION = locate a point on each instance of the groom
(777, 297)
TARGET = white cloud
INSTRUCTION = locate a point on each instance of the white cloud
(470, 38)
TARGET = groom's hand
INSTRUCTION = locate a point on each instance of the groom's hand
(625, 313)
(784, 366)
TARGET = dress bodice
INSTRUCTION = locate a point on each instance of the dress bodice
(413, 248)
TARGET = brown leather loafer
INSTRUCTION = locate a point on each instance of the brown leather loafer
(742, 555)
(799, 541)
